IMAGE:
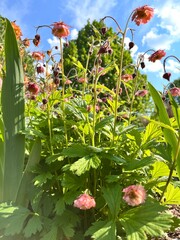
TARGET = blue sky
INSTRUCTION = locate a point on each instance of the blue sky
(162, 32)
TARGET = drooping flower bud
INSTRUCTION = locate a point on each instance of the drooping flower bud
(84, 202)
(33, 88)
(142, 65)
(40, 69)
(167, 76)
(103, 30)
(131, 45)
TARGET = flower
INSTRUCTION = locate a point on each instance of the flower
(134, 195)
(142, 15)
(40, 69)
(68, 82)
(82, 80)
(26, 42)
(175, 91)
(84, 202)
(33, 88)
(141, 93)
(60, 29)
(17, 30)
(157, 55)
(38, 56)
(127, 77)
(167, 76)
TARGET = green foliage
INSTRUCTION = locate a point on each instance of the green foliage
(145, 220)
(13, 116)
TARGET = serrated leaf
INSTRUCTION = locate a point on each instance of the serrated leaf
(172, 195)
(160, 169)
(102, 230)
(52, 234)
(152, 131)
(104, 122)
(85, 164)
(16, 221)
(60, 206)
(113, 196)
(146, 220)
(139, 163)
(75, 150)
(33, 226)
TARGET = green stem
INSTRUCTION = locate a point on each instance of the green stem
(63, 91)
(171, 170)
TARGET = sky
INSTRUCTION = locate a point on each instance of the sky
(162, 32)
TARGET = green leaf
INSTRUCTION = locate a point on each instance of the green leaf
(139, 163)
(13, 116)
(75, 150)
(102, 230)
(84, 164)
(52, 234)
(172, 195)
(113, 196)
(169, 135)
(27, 179)
(33, 226)
(160, 169)
(104, 122)
(60, 206)
(1, 157)
(15, 221)
(146, 220)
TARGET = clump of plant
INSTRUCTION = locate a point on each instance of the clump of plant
(76, 160)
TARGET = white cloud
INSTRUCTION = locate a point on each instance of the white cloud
(53, 42)
(74, 34)
(167, 31)
(89, 9)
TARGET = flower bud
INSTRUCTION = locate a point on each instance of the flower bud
(131, 45)
(103, 30)
(142, 65)
(167, 76)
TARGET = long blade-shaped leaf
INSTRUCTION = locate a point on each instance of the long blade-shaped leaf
(13, 116)
(169, 135)
(1, 157)
(26, 181)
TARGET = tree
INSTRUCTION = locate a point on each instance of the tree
(86, 47)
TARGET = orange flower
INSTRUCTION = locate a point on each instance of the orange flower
(17, 30)
(157, 55)
(26, 42)
(142, 15)
(38, 56)
(60, 29)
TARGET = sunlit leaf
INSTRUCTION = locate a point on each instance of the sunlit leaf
(113, 196)
(85, 164)
(102, 230)
(172, 195)
(139, 222)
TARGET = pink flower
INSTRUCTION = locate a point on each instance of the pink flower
(38, 56)
(157, 55)
(82, 80)
(84, 202)
(127, 77)
(175, 91)
(40, 69)
(134, 195)
(142, 15)
(60, 29)
(141, 93)
(33, 88)
(68, 82)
